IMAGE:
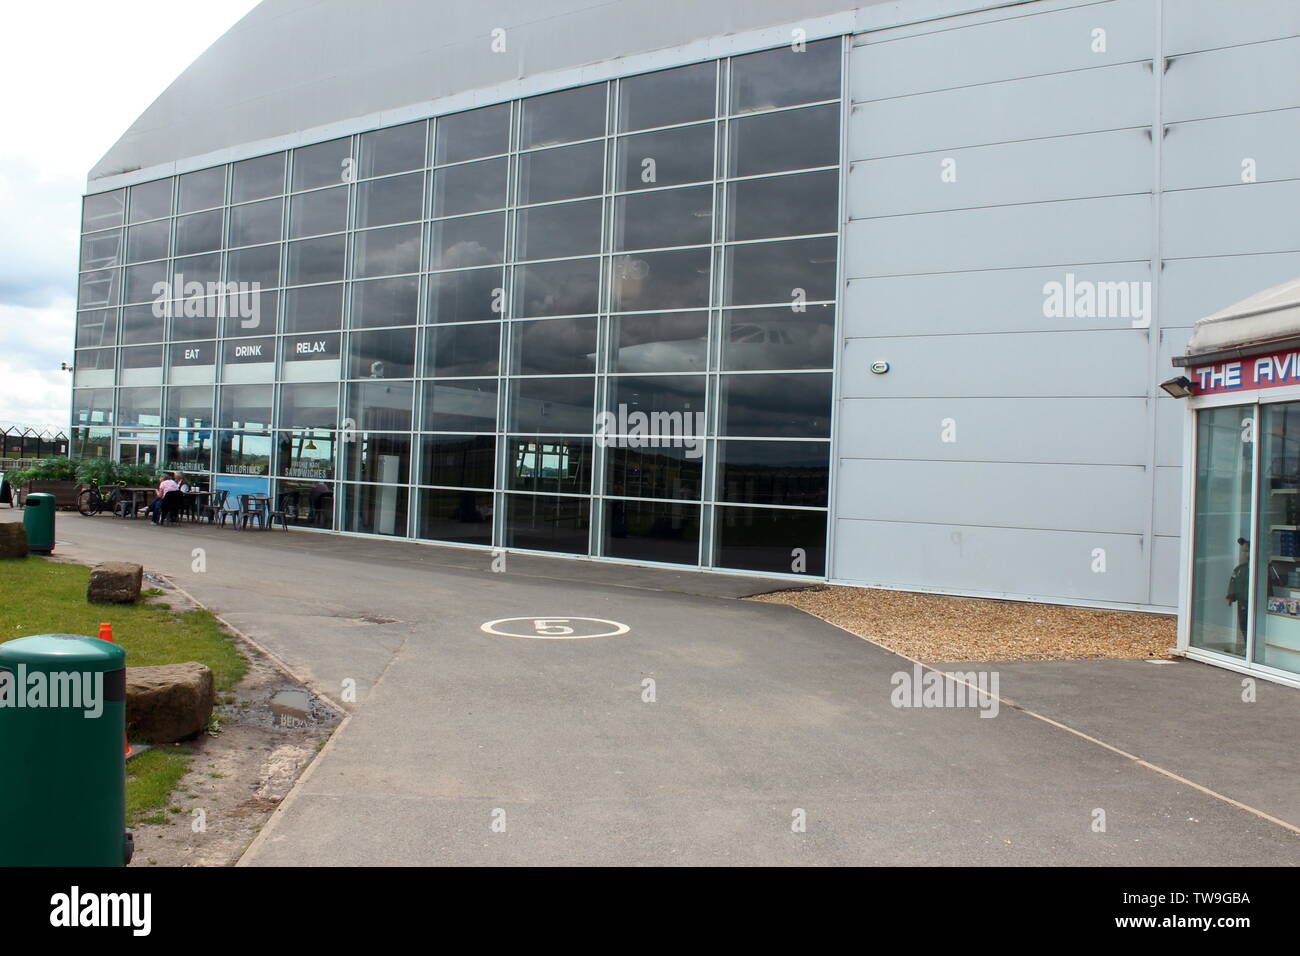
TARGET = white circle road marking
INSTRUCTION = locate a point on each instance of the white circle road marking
(552, 628)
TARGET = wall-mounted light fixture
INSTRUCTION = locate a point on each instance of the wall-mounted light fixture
(1180, 387)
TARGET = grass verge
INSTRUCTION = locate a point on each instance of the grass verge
(39, 596)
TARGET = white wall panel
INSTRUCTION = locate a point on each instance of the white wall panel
(1231, 220)
(1191, 25)
(1212, 152)
(1240, 79)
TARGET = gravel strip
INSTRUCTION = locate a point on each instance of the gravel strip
(937, 628)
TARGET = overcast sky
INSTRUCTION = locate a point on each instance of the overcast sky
(75, 75)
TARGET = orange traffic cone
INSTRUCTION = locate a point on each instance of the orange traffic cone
(106, 634)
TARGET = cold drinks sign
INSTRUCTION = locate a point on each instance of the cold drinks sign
(1246, 374)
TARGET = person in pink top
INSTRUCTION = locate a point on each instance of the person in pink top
(167, 484)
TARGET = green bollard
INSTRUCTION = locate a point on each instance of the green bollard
(62, 734)
(38, 519)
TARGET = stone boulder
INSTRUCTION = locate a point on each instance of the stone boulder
(114, 582)
(13, 540)
(168, 703)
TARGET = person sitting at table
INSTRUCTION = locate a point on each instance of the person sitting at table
(167, 484)
(181, 482)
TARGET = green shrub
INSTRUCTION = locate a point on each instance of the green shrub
(46, 469)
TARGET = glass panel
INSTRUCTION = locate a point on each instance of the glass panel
(667, 158)
(799, 205)
(257, 178)
(142, 357)
(648, 472)
(101, 250)
(652, 531)
(461, 461)
(92, 442)
(662, 280)
(555, 406)
(141, 323)
(97, 289)
(771, 540)
(312, 214)
(381, 302)
(92, 406)
(191, 361)
(552, 174)
(557, 288)
(250, 313)
(794, 139)
(149, 240)
(244, 453)
(561, 465)
(468, 241)
(188, 450)
(199, 232)
(474, 133)
(309, 504)
(467, 296)
(374, 509)
(151, 200)
(558, 231)
(776, 406)
(380, 406)
(189, 406)
(388, 354)
(660, 342)
(785, 76)
(320, 353)
(103, 210)
(260, 264)
(95, 360)
(96, 328)
(257, 222)
(306, 453)
(469, 188)
(662, 406)
(547, 523)
(322, 164)
(564, 116)
(310, 310)
(754, 339)
(462, 349)
(774, 472)
(554, 347)
(309, 405)
(315, 260)
(669, 96)
(794, 270)
(372, 456)
(390, 251)
(1221, 561)
(395, 199)
(244, 352)
(246, 406)
(141, 281)
(393, 150)
(468, 405)
(202, 189)
(139, 406)
(1277, 590)
(461, 516)
(665, 217)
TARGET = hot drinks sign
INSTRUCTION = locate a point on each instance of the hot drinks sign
(1246, 374)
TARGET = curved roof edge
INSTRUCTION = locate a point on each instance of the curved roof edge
(1265, 317)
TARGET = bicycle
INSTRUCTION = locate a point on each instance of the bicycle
(91, 501)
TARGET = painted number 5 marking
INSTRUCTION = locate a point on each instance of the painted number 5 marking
(553, 628)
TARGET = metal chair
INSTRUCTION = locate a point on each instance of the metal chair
(249, 510)
(214, 505)
(227, 511)
(282, 511)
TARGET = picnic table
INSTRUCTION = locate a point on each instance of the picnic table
(137, 497)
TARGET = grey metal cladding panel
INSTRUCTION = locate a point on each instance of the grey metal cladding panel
(1168, 501)
(1110, 97)
(1172, 342)
(1231, 220)
(1066, 167)
(1170, 414)
(1211, 152)
(1102, 431)
(1110, 499)
(1002, 300)
(1164, 572)
(1112, 229)
(1191, 289)
(1191, 25)
(1019, 46)
(1055, 565)
(1048, 365)
(1243, 79)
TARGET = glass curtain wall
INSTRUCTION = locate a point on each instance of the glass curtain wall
(599, 321)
